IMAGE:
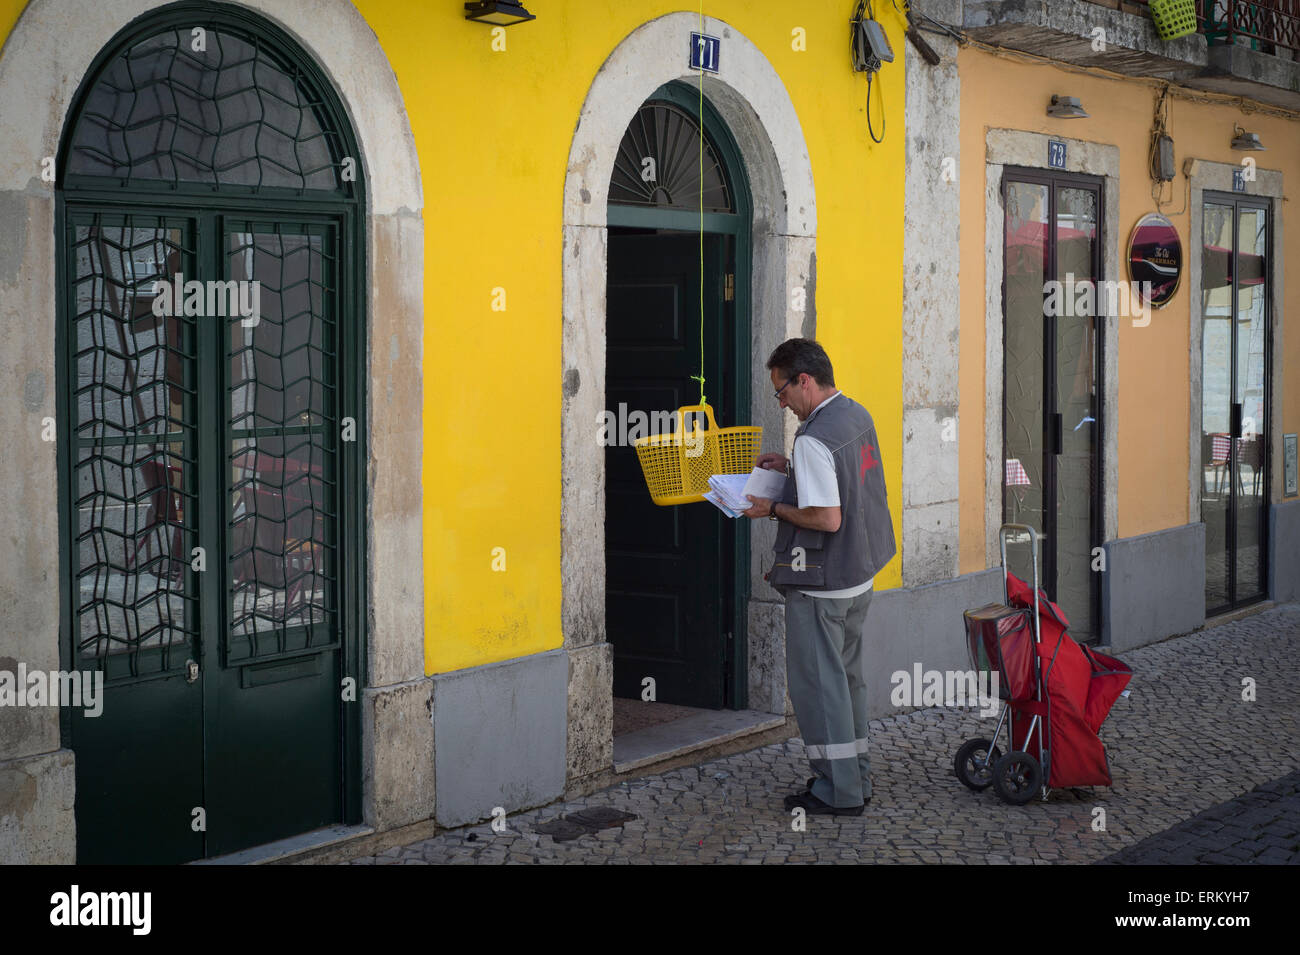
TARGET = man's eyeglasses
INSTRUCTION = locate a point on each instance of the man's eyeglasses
(777, 394)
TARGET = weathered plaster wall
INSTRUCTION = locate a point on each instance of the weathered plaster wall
(931, 313)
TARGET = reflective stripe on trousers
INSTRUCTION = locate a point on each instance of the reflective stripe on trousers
(837, 750)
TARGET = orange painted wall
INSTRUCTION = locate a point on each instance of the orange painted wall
(1152, 413)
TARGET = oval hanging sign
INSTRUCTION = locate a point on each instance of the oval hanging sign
(1155, 256)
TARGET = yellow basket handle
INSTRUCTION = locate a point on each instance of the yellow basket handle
(684, 410)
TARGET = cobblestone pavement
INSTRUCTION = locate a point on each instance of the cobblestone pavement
(1263, 826)
(1182, 742)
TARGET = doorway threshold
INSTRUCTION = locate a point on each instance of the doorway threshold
(283, 849)
(700, 730)
(1246, 610)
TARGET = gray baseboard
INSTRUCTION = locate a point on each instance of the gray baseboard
(499, 736)
(921, 625)
(1153, 586)
(1284, 551)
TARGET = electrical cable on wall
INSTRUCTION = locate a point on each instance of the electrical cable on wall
(870, 48)
(1159, 135)
(872, 132)
(1161, 155)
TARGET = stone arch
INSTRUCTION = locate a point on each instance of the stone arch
(750, 97)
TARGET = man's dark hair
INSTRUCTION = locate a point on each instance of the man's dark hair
(800, 356)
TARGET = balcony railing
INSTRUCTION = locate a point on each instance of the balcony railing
(1270, 26)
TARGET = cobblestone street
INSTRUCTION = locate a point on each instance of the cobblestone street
(1182, 743)
(1261, 826)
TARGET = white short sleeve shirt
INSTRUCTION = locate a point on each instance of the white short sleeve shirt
(814, 472)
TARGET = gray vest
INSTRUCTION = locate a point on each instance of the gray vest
(865, 541)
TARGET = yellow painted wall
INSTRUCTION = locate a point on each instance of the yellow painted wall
(493, 132)
(1152, 417)
(9, 10)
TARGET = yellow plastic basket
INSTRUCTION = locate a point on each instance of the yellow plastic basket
(677, 466)
(1174, 18)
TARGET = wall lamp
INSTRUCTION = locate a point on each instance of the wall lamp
(1066, 107)
(1246, 141)
(500, 13)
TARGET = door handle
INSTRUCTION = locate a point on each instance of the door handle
(1057, 436)
(1234, 422)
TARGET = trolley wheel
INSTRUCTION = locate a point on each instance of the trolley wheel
(974, 762)
(1017, 777)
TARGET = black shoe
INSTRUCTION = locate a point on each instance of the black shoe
(813, 779)
(815, 807)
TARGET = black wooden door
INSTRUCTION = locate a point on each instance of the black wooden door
(669, 570)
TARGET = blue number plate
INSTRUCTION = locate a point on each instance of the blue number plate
(1056, 154)
(704, 52)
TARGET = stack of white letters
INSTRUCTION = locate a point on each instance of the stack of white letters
(728, 491)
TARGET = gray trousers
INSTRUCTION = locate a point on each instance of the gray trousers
(826, 672)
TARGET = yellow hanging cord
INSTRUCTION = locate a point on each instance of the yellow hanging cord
(700, 376)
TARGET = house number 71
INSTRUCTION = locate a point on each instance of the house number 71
(704, 52)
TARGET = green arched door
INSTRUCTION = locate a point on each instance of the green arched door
(208, 328)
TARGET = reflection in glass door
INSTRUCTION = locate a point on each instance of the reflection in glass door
(1234, 409)
(1051, 409)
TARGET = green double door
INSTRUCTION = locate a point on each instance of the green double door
(670, 571)
(203, 573)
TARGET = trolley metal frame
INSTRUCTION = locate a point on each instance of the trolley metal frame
(1036, 722)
